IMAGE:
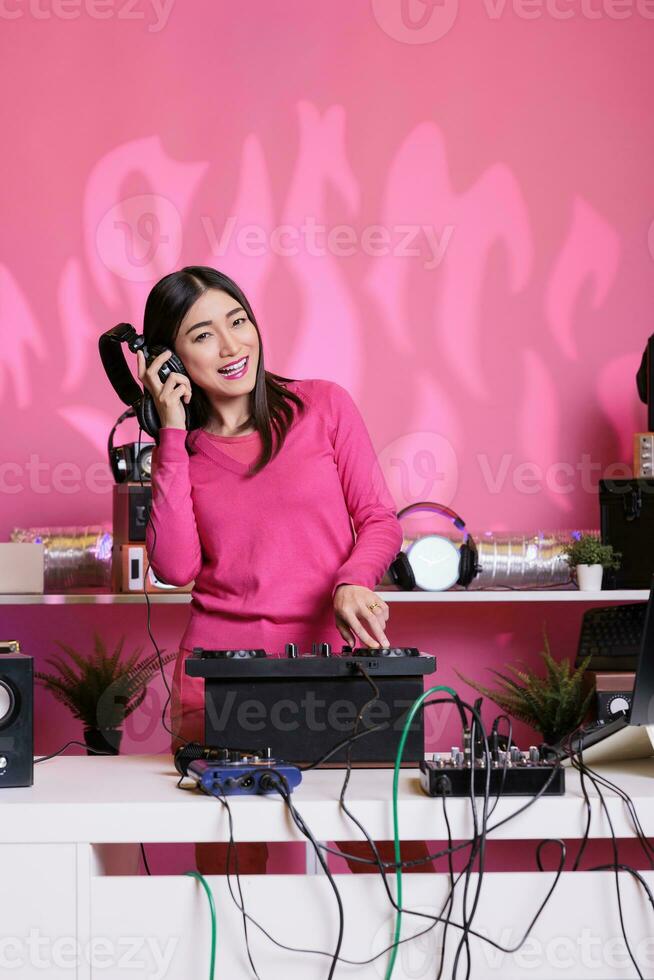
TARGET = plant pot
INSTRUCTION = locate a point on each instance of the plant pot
(103, 740)
(589, 577)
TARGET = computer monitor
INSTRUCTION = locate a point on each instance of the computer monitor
(642, 702)
(645, 381)
(630, 736)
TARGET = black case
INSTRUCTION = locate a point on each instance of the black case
(17, 725)
(319, 698)
(627, 523)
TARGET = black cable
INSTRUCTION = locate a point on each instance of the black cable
(370, 841)
(467, 925)
(638, 828)
(509, 742)
(576, 760)
(145, 860)
(73, 741)
(632, 871)
(541, 845)
(285, 793)
(341, 745)
(478, 849)
(449, 902)
(430, 858)
(348, 754)
(435, 919)
(449, 851)
(232, 849)
(147, 601)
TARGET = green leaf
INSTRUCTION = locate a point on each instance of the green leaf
(553, 704)
(107, 687)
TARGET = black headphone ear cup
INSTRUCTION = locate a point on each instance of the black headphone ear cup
(468, 566)
(401, 573)
(147, 416)
(175, 364)
(464, 565)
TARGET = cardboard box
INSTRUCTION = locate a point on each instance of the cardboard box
(22, 568)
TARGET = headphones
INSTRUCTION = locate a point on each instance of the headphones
(122, 379)
(433, 562)
(133, 461)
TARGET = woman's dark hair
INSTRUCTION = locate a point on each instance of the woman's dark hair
(169, 301)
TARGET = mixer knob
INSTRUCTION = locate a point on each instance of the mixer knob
(516, 754)
(291, 650)
(325, 650)
(314, 650)
(534, 754)
(346, 648)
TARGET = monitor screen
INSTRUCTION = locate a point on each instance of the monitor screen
(642, 705)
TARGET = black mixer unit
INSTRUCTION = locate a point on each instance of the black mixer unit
(301, 705)
(512, 773)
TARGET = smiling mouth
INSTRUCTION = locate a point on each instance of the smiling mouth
(235, 370)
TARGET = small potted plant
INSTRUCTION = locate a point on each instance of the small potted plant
(555, 705)
(589, 557)
(103, 691)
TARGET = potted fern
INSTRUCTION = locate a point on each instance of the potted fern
(589, 557)
(103, 691)
(555, 705)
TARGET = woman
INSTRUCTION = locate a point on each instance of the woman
(254, 502)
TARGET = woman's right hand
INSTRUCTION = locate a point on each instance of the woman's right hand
(169, 396)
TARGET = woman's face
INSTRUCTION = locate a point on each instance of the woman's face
(216, 332)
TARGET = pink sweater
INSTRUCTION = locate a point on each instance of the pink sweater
(267, 552)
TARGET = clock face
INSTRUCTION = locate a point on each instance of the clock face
(435, 562)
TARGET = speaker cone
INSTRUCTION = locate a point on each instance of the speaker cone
(7, 703)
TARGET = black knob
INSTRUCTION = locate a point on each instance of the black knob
(314, 650)
(325, 650)
(291, 650)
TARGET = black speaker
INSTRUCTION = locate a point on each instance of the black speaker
(16, 719)
(627, 523)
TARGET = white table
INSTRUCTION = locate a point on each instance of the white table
(58, 845)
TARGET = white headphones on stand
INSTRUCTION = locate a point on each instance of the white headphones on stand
(433, 562)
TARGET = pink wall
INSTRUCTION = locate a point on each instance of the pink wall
(482, 283)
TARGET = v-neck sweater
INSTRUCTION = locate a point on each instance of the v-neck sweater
(267, 552)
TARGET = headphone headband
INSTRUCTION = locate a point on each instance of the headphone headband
(115, 365)
(428, 505)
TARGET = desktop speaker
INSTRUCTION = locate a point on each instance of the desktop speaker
(16, 717)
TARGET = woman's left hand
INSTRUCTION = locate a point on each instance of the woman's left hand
(353, 613)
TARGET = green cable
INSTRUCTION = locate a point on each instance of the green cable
(396, 829)
(212, 909)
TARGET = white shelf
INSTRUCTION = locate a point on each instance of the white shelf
(135, 798)
(456, 595)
